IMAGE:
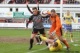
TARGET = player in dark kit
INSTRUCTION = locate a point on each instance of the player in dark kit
(38, 39)
(36, 18)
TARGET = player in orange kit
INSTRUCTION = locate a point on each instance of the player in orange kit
(56, 27)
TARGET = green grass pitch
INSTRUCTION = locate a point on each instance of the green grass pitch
(14, 47)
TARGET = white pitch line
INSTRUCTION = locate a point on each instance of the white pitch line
(76, 45)
(37, 50)
(42, 49)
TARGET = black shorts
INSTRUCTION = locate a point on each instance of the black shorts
(41, 31)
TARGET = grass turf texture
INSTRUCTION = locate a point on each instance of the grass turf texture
(23, 47)
(15, 32)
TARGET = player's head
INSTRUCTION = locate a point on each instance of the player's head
(68, 12)
(35, 10)
(53, 12)
(55, 44)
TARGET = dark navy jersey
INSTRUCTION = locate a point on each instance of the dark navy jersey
(37, 21)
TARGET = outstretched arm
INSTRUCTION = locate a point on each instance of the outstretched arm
(29, 8)
(30, 19)
(73, 19)
(38, 5)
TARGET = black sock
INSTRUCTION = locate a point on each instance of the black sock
(31, 43)
(40, 39)
(46, 43)
(37, 39)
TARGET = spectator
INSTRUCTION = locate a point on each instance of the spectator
(11, 2)
(40, 1)
(20, 1)
(8, 20)
(73, 2)
(64, 1)
(57, 2)
(32, 1)
(77, 2)
(1, 1)
(45, 1)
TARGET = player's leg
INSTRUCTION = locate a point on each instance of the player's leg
(40, 39)
(32, 38)
(71, 37)
(65, 31)
(44, 38)
(42, 31)
(31, 41)
(70, 31)
(47, 40)
(62, 39)
(65, 42)
(56, 47)
(37, 39)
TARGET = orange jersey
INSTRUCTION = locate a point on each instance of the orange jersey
(56, 24)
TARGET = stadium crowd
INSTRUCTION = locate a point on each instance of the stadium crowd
(71, 2)
(40, 1)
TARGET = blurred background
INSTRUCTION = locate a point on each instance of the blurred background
(40, 1)
(15, 11)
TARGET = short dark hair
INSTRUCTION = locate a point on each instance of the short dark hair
(55, 44)
(52, 10)
(34, 8)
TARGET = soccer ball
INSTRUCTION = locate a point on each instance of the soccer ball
(44, 13)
